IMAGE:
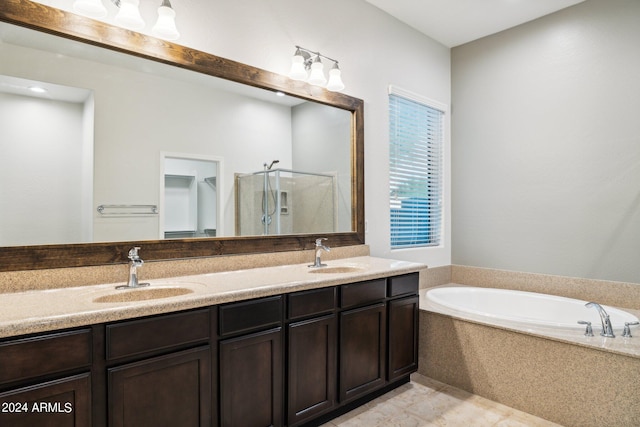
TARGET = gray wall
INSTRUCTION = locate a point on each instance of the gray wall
(546, 145)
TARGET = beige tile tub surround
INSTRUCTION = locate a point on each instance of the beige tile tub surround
(435, 276)
(19, 281)
(561, 382)
(570, 380)
(617, 294)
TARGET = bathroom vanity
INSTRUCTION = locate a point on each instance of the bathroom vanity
(288, 358)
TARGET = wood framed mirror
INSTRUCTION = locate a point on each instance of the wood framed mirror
(57, 23)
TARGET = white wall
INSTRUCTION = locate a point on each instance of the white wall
(41, 171)
(374, 51)
(546, 145)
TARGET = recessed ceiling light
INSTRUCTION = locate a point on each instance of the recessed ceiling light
(37, 89)
(278, 93)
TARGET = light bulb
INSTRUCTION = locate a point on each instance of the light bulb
(298, 71)
(90, 8)
(335, 81)
(317, 73)
(129, 15)
(165, 28)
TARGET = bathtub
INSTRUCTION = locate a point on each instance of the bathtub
(525, 308)
(526, 350)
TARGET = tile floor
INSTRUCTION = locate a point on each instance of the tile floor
(424, 402)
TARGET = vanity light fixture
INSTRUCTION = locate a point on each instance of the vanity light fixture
(307, 65)
(129, 16)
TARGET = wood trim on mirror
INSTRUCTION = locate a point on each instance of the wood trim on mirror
(68, 25)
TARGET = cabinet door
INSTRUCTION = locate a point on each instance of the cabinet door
(403, 337)
(60, 403)
(311, 368)
(171, 390)
(362, 350)
(251, 380)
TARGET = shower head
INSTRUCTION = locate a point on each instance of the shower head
(271, 165)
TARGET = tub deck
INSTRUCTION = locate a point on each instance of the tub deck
(619, 345)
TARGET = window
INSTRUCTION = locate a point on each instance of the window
(416, 142)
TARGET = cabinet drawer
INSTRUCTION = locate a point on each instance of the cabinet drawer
(250, 315)
(363, 293)
(156, 334)
(43, 355)
(404, 285)
(64, 402)
(309, 303)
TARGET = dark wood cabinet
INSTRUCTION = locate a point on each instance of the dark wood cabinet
(251, 363)
(150, 336)
(169, 390)
(64, 402)
(44, 356)
(362, 351)
(403, 337)
(45, 380)
(160, 370)
(291, 359)
(311, 368)
(248, 316)
(251, 380)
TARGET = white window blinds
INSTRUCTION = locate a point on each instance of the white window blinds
(415, 169)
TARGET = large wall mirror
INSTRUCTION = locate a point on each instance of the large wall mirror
(140, 141)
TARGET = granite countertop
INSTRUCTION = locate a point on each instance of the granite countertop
(58, 308)
(619, 344)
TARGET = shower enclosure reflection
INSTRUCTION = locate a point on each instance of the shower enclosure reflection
(285, 201)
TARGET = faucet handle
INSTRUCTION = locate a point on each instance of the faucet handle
(319, 240)
(133, 253)
(626, 332)
(588, 331)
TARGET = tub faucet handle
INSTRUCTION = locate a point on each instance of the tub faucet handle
(607, 329)
(588, 332)
(626, 332)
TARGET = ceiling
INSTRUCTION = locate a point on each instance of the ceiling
(455, 22)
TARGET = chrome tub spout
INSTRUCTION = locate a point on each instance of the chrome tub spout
(607, 330)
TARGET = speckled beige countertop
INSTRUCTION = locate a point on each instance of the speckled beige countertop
(57, 308)
(620, 345)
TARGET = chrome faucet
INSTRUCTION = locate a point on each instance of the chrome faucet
(319, 248)
(607, 329)
(135, 262)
